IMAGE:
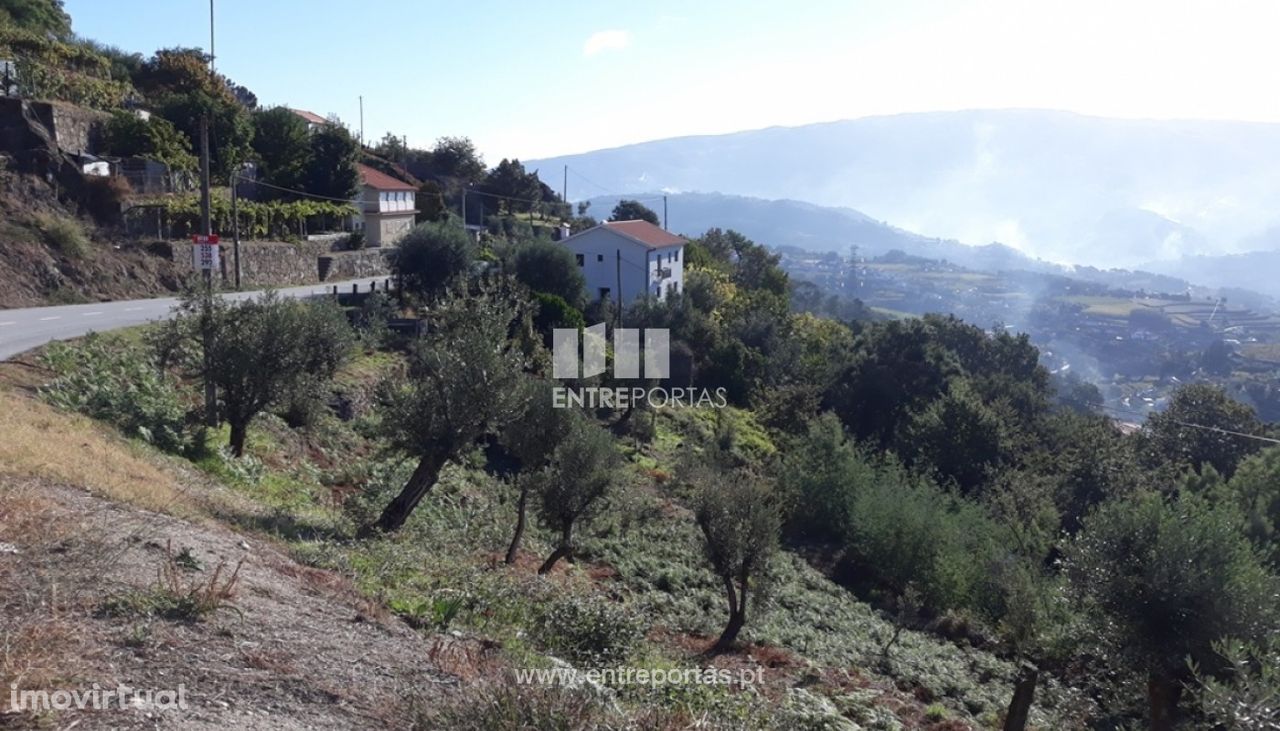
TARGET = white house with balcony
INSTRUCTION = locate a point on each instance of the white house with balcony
(626, 260)
(386, 207)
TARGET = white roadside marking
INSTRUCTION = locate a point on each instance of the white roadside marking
(11, 322)
(132, 309)
(46, 319)
(91, 314)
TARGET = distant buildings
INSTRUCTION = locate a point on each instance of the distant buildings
(386, 207)
(625, 260)
(314, 121)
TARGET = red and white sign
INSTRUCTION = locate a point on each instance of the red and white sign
(205, 252)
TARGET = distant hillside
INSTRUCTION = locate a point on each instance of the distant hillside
(783, 223)
(1056, 185)
(1258, 271)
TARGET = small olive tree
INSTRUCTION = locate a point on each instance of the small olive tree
(584, 467)
(464, 382)
(259, 352)
(740, 519)
(531, 439)
(430, 257)
(1165, 579)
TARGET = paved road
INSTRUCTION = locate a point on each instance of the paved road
(22, 330)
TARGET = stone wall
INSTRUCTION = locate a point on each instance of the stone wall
(77, 129)
(277, 264)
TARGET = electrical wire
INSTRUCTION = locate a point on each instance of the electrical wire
(1206, 427)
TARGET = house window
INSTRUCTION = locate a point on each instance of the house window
(677, 255)
(579, 258)
(599, 257)
(604, 293)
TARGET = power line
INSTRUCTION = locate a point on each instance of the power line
(1205, 427)
(353, 201)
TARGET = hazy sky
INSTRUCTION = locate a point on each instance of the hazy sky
(530, 80)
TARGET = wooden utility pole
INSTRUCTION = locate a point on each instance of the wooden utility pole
(564, 189)
(235, 222)
(618, 274)
(664, 212)
(206, 227)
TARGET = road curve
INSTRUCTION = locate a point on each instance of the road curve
(24, 329)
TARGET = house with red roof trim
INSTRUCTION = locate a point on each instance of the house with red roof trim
(386, 207)
(626, 260)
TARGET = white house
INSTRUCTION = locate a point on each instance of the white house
(625, 260)
(386, 207)
(314, 121)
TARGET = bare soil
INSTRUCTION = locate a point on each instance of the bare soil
(294, 647)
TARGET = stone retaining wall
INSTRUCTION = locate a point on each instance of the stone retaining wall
(279, 264)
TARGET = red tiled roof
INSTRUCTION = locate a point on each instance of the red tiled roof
(379, 180)
(311, 117)
(654, 237)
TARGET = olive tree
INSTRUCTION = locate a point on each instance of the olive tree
(1165, 579)
(463, 382)
(430, 257)
(583, 469)
(259, 352)
(531, 439)
(740, 520)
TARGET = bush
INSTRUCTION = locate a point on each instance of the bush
(545, 266)
(355, 241)
(432, 255)
(64, 235)
(554, 312)
(589, 630)
(119, 384)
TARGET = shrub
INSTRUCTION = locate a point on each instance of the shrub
(553, 312)
(545, 266)
(64, 235)
(355, 241)
(119, 384)
(1247, 695)
(431, 256)
(589, 630)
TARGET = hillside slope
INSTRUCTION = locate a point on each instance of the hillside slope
(319, 631)
(49, 255)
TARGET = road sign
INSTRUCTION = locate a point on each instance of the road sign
(205, 253)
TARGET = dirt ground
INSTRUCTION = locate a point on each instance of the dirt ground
(292, 648)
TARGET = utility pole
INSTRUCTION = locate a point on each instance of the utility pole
(362, 120)
(564, 190)
(211, 55)
(206, 226)
(664, 212)
(235, 221)
(464, 208)
(618, 274)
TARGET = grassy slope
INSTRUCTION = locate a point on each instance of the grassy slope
(307, 489)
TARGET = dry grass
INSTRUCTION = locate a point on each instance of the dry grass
(39, 644)
(43, 442)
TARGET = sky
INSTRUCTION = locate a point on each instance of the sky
(534, 80)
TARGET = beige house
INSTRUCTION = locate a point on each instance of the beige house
(386, 207)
